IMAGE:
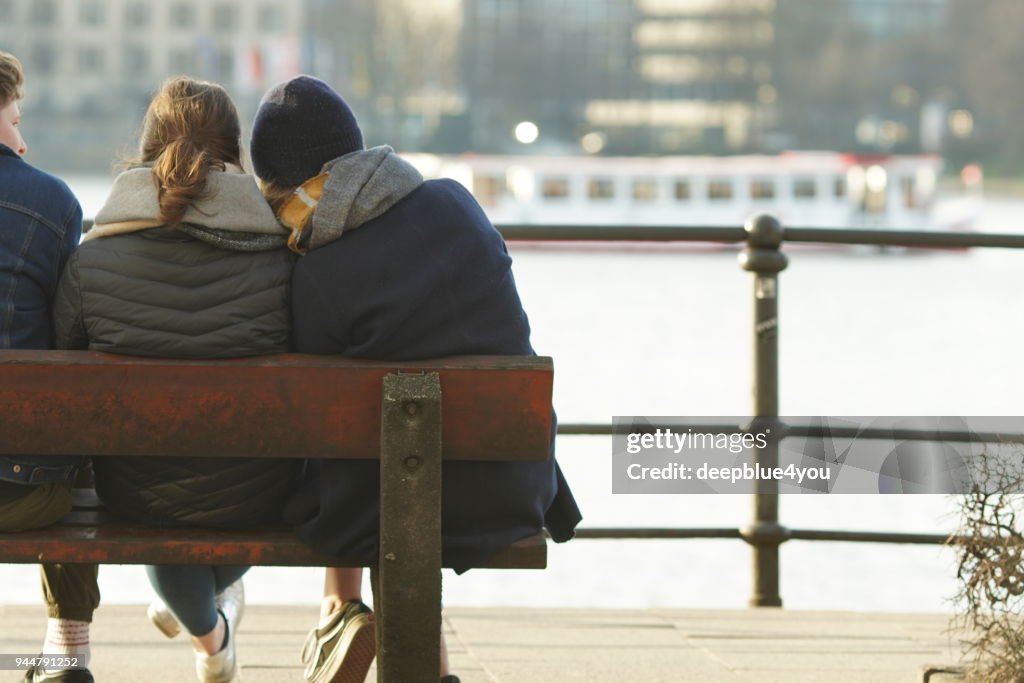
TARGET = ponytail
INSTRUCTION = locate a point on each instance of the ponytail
(180, 173)
(191, 128)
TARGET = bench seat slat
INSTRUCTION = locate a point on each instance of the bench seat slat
(493, 407)
(98, 537)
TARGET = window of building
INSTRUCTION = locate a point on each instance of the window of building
(43, 58)
(720, 190)
(182, 61)
(270, 19)
(136, 15)
(762, 189)
(683, 190)
(43, 12)
(805, 188)
(7, 10)
(136, 60)
(90, 13)
(645, 190)
(91, 59)
(183, 15)
(488, 189)
(225, 17)
(555, 187)
(839, 187)
(601, 188)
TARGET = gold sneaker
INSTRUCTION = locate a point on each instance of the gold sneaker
(342, 648)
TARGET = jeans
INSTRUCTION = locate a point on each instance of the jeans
(190, 592)
(71, 590)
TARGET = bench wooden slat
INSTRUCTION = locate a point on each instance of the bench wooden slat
(494, 407)
(97, 537)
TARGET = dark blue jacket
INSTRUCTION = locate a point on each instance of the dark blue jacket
(430, 277)
(40, 225)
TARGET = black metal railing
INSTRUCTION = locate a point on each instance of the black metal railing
(763, 237)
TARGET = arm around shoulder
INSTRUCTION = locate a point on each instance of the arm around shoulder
(68, 322)
(72, 231)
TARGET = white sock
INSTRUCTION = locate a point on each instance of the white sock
(69, 638)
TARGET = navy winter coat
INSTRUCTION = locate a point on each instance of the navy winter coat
(430, 277)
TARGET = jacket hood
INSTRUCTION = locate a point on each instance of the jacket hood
(360, 187)
(233, 204)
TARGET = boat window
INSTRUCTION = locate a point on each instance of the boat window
(600, 188)
(762, 189)
(720, 190)
(683, 190)
(555, 187)
(805, 188)
(645, 190)
(488, 189)
(907, 190)
(839, 187)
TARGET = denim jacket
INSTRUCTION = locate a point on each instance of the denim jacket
(40, 225)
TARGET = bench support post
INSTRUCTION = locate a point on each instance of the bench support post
(409, 600)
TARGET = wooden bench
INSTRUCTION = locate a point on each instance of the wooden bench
(408, 415)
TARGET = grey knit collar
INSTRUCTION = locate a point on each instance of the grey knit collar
(360, 187)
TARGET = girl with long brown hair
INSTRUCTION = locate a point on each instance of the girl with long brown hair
(186, 260)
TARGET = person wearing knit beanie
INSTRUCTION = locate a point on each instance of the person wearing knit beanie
(301, 125)
(394, 267)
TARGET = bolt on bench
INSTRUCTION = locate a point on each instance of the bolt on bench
(408, 415)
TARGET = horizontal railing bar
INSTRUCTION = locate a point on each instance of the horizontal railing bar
(812, 431)
(622, 233)
(607, 429)
(728, 235)
(904, 238)
(789, 534)
(904, 434)
(868, 536)
(613, 532)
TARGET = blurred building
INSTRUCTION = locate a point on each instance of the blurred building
(891, 18)
(93, 64)
(626, 77)
(636, 76)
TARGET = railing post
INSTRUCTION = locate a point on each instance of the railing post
(762, 257)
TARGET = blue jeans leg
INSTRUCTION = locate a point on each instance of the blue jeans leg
(190, 592)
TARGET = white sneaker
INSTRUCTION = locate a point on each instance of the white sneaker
(232, 599)
(163, 618)
(231, 603)
(221, 667)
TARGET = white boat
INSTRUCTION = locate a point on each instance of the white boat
(805, 189)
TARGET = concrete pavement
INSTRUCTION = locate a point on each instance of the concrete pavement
(492, 645)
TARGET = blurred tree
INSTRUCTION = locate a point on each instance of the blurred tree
(989, 54)
(415, 78)
(843, 84)
(395, 61)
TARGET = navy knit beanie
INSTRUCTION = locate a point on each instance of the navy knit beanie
(301, 125)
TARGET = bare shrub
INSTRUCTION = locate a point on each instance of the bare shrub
(990, 574)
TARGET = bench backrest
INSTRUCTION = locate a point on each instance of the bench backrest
(87, 403)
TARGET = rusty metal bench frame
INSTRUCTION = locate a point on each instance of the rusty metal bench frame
(409, 415)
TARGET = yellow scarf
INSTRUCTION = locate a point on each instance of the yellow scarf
(298, 209)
